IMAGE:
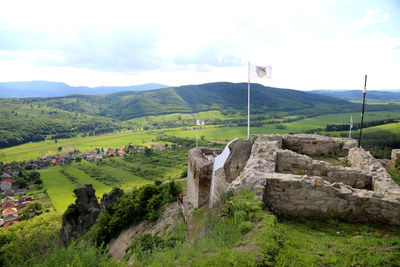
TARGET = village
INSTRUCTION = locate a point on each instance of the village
(14, 198)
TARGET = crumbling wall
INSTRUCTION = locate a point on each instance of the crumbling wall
(200, 166)
(312, 196)
(381, 180)
(291, 162)
(313, 144)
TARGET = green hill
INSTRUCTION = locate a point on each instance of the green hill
(34, 119)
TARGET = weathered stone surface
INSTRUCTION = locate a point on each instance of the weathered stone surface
(109, 199)
(394, 162)
(312, 196)
(79, 217)
(292, 183)
(239, 154)
(200, 166)
(291, 162)
(381, 180)
(312, 144)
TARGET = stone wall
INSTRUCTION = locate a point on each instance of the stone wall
(381, 180)
(200, 166)
(289, 182)
(312, 196)
(312, 144)
(394, 162)
(291, 162)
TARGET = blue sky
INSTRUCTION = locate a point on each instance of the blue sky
(309, 44)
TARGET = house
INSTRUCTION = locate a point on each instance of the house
(5, 184)
(7, 199)
(10, 218)
(10, 204)
(9, 211)
(5, 176)
(25, 199)
(10, 223)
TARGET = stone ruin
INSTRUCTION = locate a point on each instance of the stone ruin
(281, 171)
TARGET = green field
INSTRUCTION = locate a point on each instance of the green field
(213, 133)
(127, 173)
(60, 188)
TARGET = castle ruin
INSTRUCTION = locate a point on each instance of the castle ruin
(280, 169)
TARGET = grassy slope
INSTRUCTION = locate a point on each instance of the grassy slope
(216, 240)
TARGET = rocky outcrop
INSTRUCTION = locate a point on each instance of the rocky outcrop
(109, 199)
(81, 215)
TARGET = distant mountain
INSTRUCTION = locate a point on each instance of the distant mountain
(54, 89)
(194, 98)
(357, 95)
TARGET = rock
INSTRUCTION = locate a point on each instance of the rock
(79, 216)
(109, 199)
(240, 153)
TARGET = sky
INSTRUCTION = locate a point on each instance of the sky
(321, 44)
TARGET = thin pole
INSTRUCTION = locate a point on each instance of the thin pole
(363, 110)
(351, 125)
(196, 135)
(248, 103)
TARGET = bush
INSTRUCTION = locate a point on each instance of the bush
(144, 203)
(80, 253)
(20, 182)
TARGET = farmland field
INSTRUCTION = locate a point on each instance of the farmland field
(126, 173)
(213, 133)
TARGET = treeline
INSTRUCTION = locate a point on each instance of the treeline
(21, 132)
(356, 126)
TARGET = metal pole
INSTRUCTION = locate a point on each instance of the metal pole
(363, 110)
(248, 103)
(351, 125)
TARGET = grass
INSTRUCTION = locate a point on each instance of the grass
(58, 187)
(262, 239)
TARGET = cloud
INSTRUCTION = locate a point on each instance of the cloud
(371, 17)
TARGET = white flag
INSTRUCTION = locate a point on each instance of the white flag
(351, 121)
(199, 122)
(261, 71)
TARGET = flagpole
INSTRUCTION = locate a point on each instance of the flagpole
(363, 109)
(351, 125)
(248, 103)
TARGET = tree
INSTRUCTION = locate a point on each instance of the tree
(20, 182)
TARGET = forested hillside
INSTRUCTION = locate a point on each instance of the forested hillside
(34, 119)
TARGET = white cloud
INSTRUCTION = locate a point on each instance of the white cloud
(373, 16)
(187, 42)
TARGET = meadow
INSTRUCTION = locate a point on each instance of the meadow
(222, 133)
